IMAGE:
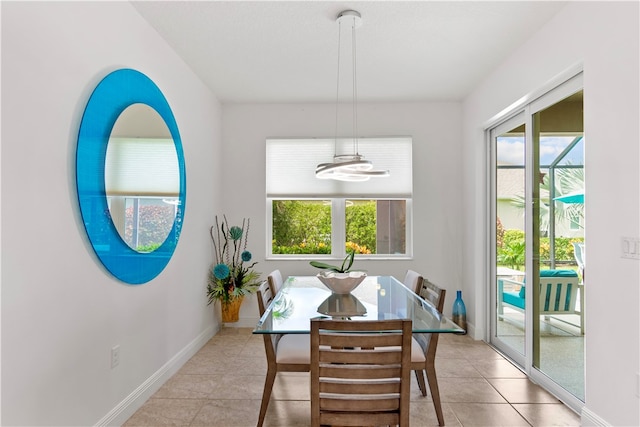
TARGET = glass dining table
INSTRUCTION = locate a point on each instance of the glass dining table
(376, 298)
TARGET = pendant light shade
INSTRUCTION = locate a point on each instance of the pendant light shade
(349, 167)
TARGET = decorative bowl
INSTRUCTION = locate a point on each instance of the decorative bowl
(341, 283)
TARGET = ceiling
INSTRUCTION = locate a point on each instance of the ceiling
(287, 51)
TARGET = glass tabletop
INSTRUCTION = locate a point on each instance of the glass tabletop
(377, 297)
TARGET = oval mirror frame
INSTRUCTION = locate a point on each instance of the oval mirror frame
(117, 91)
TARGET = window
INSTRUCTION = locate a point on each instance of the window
(309, 216)
(301, 227)
(376, 226)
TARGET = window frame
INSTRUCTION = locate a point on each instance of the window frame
(338, 231)
(299, 156)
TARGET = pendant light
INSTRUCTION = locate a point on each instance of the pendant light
(349, 167)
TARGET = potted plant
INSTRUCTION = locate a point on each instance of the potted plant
(231, 276)
(340, 280)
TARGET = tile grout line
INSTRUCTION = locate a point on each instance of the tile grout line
(508, 402)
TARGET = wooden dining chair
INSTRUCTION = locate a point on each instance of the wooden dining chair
(413, 281)
(360, 372)
(423, 355)
(285, 352)
(275, 281)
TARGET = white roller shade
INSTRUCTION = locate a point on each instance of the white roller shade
(291, 165)
(141, 167)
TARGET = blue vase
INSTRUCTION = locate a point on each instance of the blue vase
(459, 316)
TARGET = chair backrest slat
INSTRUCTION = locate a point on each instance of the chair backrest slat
(558, 295)
(432, 293)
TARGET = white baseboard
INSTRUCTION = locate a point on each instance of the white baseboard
(471, 331)
(243, 322)
(125, 409)
(589, 419)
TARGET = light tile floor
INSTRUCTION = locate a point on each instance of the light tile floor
(222, 386)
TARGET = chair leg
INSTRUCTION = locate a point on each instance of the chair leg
(435, 392)
(266, 394)
(421, 383)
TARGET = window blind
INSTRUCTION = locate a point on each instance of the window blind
(291, 165)
(141, 167)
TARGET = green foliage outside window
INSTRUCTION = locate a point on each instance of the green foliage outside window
(301, 227)
(148, 248)
(563, 248)
(304, 227)
(361, 226)
(511, 252)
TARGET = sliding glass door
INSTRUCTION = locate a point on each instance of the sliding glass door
(510, 235)
(537, 237)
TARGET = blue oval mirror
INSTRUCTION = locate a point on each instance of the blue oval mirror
(133, 223)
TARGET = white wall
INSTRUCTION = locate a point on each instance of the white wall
(437, 174)
(61, 312)
(604, 38)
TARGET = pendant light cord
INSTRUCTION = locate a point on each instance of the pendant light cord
(348, 166)
(335, 138)
(355, 90)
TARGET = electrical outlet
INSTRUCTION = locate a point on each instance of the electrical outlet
(115, 356)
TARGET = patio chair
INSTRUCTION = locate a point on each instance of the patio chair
(275, 281)
(559, 291)
(285, 353)
(423, 352)
(360, 378)
(413, 280)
